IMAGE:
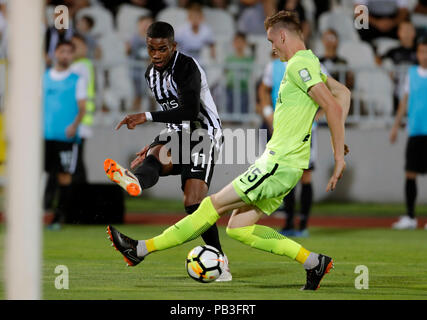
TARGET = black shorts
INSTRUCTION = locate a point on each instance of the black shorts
(60, 157)
(416, 154)
(190, 159)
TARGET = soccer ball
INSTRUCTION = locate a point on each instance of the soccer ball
(204, 263)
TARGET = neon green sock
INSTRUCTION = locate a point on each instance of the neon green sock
(186, 229)
(265, 238)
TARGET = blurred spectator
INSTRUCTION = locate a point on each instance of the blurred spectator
(53, 36)
(332, 61)
(405, 53)
(84, 27)
(83, 66)
(384, 17)
(295, 5)
(253, 14)
(64, 105)
(137, 51)
(195, 34)
(414, 104)
(239, 67)
(401, 57)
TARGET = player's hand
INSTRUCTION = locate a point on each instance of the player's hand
(346, 149)
(393, 135)
(338, 172)
(141, 155)
(71, 131)
(132, 120)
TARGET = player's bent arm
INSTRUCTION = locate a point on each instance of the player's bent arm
(341, 93)
(401, 111)
(80, 115)
(334, 115)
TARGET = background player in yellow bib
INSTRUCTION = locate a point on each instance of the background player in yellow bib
(262, 187)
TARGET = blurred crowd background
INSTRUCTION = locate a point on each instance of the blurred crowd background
(228, 39)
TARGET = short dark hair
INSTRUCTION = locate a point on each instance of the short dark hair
(285, 19)
(240, 34)
(162, 30)
(64, 43)
(422, 41)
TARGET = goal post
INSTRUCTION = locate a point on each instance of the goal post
(23, 243)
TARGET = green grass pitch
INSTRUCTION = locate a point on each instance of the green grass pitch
(396, 260)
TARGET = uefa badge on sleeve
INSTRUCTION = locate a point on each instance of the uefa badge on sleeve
(305, 75)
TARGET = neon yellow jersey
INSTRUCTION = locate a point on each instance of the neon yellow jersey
(295, 111)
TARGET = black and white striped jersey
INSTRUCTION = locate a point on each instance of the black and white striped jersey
(182, 91)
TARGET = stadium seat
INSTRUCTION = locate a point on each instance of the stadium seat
(357, 53)
(113, 48)
(339, 20)
(127, 18)
(104, 22)
(121, 85)
(221, 22)
(175, 16)
(114, 59)
(419, 20)
(375, 89)
(385, 44)
(262, 49)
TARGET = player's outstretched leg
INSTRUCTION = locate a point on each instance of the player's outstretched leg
(125, 245)
(242, 227)
(123, 177)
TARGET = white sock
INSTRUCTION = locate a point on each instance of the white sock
(312, 261)
(141, 249)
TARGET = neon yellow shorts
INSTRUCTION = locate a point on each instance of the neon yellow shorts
(266, 183)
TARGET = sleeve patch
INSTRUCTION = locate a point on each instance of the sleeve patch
(305, 75)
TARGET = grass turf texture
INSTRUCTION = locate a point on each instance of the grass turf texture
(397, 262)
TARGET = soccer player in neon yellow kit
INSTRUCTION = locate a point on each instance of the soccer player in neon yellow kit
(262, 187)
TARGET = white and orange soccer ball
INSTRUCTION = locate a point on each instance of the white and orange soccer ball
(204, 263)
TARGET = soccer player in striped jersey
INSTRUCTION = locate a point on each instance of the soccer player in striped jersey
(261, 189)
(180, 87)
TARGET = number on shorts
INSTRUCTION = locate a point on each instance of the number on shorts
(196, 159)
